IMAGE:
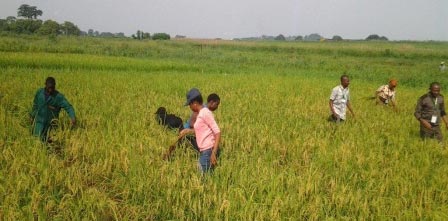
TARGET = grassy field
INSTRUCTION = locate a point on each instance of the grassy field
(281, 159)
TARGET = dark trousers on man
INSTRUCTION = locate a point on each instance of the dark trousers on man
(433, 133)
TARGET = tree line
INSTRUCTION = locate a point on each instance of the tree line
(27, 22)
(311, 37)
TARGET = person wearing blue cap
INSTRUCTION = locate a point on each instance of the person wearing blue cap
(213, 102)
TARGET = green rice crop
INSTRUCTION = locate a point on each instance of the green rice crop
(281, 159)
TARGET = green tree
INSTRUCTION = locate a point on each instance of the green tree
(161, 36)
(10, 19)
(69, 28)
(25, 26)
(337, 38)
(49, 27)
(280, 37)
(28, 12)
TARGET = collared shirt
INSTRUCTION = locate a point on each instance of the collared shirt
(340, 97)
(429, 106)
(47, 107)
(205, 129)
(386, 93)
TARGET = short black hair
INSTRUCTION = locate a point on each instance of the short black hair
(50, 81)
(344, 76)
(197, 99)
(213, 97)
(435, 83)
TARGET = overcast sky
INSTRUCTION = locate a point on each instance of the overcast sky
(351, 19)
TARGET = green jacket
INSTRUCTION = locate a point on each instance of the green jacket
(46, 109)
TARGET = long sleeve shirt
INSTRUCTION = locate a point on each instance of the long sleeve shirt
(47, 107)
(205, 129)
(429, 106)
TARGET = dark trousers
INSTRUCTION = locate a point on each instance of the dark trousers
(433, 133)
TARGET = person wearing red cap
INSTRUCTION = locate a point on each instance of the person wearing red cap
(386, 94)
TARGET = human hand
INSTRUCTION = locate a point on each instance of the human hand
(426, 124)
(213, 159)
(73, 122)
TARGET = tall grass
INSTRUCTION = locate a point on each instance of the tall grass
(281, 159)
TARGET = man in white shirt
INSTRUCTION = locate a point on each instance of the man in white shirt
(340, 100)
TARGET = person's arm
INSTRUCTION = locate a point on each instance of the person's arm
(377, 95)
(418, 114)
(69, 109)
(35, 107)
(215, 149)
(185, 132)
(443, 113)
(211, 123)
(349, 106)
(332, 109)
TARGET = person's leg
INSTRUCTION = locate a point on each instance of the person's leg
(426, 133)
(41, 130)
(437, 133)
(204, 160)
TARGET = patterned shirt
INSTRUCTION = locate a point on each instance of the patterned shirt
(340, 97)
(386, 93)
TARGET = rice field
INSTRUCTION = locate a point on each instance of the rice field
(281, 159)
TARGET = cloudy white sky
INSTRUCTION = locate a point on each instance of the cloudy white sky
(351, 19)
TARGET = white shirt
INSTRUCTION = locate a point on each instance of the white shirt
(340, 97)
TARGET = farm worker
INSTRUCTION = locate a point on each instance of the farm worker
(442, 66)
(340, 100)
(429, 110)
(206, 130)
(386, 93)
(46, 107)
(213, 101)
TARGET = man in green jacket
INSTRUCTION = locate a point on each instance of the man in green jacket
(46, 106)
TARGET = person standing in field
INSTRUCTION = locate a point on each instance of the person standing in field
(47, 104)
(386, 94)
(213, 101)
(340, 100)
(429, 111)
(208, 134)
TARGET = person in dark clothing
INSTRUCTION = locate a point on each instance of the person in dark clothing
(430, 110)
(47, 104)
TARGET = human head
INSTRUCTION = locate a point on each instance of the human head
(213, 101)
(434, 88)
(393, 83)
(196, 103)
(191, 94)
(345, 81)
(50, 85)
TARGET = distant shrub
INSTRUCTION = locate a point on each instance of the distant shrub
(161, 36)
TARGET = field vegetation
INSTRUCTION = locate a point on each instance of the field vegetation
(281, 159)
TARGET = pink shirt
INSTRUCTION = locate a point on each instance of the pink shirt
(205, 129)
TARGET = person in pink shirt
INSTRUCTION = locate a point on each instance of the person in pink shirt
(207, 132)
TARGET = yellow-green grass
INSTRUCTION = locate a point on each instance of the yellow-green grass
(281, 159)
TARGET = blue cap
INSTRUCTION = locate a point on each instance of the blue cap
(192, 94)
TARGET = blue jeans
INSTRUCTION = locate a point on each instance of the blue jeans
(204, 159)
